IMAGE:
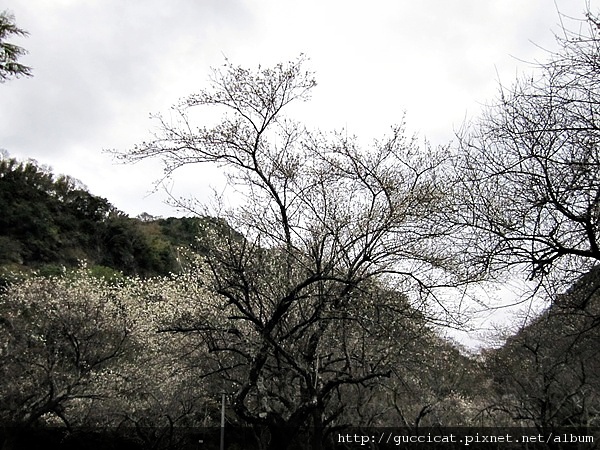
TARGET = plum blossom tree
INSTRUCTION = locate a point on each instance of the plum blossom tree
(79, 351)
(60, 337)
(324, 229)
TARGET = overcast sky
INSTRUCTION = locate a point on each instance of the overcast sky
(102, 66)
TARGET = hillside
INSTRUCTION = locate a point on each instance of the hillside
(548, 374)
(50, 221)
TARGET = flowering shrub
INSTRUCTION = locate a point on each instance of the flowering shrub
(58, 334)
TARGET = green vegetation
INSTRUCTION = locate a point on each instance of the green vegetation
(10, 67)
(52, 222)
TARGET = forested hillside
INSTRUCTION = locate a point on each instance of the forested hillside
(548, 374)
(49, 222)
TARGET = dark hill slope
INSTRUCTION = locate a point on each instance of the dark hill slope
(49, 221)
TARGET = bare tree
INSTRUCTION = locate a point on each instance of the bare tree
(325, 235)
(530, 184)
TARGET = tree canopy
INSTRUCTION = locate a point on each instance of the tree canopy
(50, 221)
(528, 169)
(335, 240)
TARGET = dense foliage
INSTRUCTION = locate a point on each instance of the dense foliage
(50, 221)
(10, 67)
(84, 360)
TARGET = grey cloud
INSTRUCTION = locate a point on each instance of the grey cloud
(93, 60)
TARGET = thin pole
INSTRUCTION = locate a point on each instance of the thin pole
(222, 421)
